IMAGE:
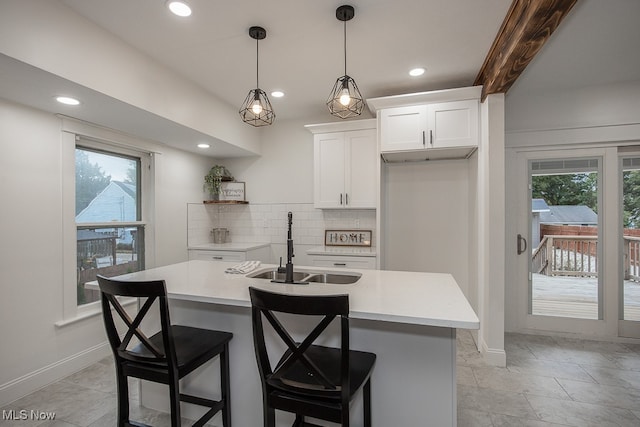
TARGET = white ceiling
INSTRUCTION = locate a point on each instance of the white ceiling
(598, 43)
(303, 52)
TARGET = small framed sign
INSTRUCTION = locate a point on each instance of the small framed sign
(232, 191)
(347, 237)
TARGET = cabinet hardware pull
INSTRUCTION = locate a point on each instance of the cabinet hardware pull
(340, 198)
(217, 257)
(346, 198)
(340, 264)
(423, 139)
(431, 136)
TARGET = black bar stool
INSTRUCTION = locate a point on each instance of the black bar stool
(309, 380)
(165, 357)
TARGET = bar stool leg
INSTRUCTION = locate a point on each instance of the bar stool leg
(366, 390)
(225, 387)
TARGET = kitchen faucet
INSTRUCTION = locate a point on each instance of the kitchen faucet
(288, 275)
(288, 271)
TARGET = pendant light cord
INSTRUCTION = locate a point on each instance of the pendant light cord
(345, 48)
(257, 64)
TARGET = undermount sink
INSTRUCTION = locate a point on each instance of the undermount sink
(274, 275)
(333, 278)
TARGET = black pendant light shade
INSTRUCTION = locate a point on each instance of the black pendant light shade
(345, 100)
(256, 108)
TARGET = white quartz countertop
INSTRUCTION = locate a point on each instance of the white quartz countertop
(342, 251)
(432, 299)
(231, 246)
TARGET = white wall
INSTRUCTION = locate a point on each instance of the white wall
(34, 351)
(284, 171)
(179, 179)
(426, 218)
(52, 37)
(491, 231)
(602, 106)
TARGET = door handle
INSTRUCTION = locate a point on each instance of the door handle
(522, 244)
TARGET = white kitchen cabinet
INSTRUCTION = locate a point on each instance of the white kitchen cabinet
(231, 252)
(443, 125)
(336, 261)
(343, 257)
(345, 169)
(453, 124)
(403, 128)
(205, 255)
(432, 125)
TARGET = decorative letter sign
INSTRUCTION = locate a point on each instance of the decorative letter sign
(347, 237)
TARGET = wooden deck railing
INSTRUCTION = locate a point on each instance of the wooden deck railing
(566, 256)
(578, 256)
(631, 248)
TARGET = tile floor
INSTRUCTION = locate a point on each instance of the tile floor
(548, 381)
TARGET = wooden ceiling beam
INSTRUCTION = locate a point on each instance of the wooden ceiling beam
(525, 29)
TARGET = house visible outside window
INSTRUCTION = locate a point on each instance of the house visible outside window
(108, 215)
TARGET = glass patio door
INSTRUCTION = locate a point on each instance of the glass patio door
(629, 304)
(564, 240)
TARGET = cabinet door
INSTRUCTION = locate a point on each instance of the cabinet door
(328, 172)
(206, 255)
(453, 124)
(403, 128)
(364, 263)
(361, 162)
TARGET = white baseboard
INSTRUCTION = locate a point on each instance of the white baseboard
(493, 356)
(33, 381)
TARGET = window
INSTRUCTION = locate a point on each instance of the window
(110, 237)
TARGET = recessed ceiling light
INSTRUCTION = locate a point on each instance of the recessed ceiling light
(67, 100)
(203, 145)
(179, 8)
(277, 94)
(416, 72)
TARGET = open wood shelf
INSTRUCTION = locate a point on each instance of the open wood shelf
(225, 202)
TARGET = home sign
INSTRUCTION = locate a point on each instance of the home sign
(347, 237)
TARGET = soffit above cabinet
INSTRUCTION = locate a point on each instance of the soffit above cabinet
(458, 94)
(341, 126)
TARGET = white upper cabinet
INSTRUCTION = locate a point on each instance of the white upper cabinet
(345, 169)
(431, 125)
(403, 128)
(453, 124)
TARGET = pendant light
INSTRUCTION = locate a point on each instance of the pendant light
(345, 99)
(256, 109)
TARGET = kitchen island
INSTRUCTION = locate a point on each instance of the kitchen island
(408, 319)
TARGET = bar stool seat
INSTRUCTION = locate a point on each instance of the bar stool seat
(309, 380)
(164, 357)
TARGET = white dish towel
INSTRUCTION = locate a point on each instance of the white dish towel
(243, 268)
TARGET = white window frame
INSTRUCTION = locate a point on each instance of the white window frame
(100, 139)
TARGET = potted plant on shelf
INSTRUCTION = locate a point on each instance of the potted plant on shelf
(213, 180)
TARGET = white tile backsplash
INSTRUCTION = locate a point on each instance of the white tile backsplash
(268, 222)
